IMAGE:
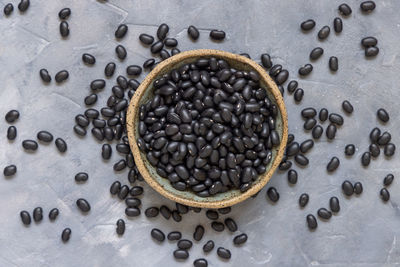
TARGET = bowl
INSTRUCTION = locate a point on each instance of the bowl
(162, 185)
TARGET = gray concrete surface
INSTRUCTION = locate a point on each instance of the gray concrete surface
(366, 232)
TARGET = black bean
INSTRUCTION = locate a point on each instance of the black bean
(224, 253)
(331, 131)
(374, 135)
(347, 188)
(225, 210)
(323, 114)
(292, 86)
(53, 214)
(301, 160)
(8, 9)
(200, 263)
(66, 234)
(371, 51)
(303, 200)
(338, 25)
(358, 188)
(184, 244)
(240, 239)
(157, 47)
(272, 194)
(374, 150)
(217, 35)
(38, 214)
(208, 246)
(90, 99)
(349, 150)
(385, 196)
(79, 130)
(365, 159)
(344, 9)
(316, 53)
(99, 123)
(151, 212)
(97, 84)
(347, 107)
(120, 227)
(172, 236)
(132, 211)
(282, 77)
(83, 205)
(170, 42)
(109, 69)
(88, 59)
(198, 233)
(369, 41)
(45, 76)
(324, 214)
(64, 29)
(146, 39)
(120, 165)
(231, 224)
(193, 32)
(162, 31)
(266, 60)
(25, 217)
(389, 149)
(30, 145)
(81, 120)
(382, 115)
(306, 145)
(23, 5)
(12, 116)
(181, 254)
(121, 52)
(175, 51)
(61, 145)
(149, 63)
(64, 13)
(333, 63)
(285, 165)
(334, 204)
(10, 170)
(388, 179)
(133, 70)
(317, 132)
(212, 214)
(367, 6)
(333, 164)
(305, 70)
(81, 177)
(292, 149)
(133, 202)
(61, 76)
(307, 25)
(176, 216)
(309, 124)
(45, 136)
(311, 222)
(324, 32)
(136, 191)
(157, 234)
(384, 138)
(121, 31)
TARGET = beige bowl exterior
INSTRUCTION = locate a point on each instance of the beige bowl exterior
(162, 185)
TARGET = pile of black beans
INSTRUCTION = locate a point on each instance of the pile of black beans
(209, 127)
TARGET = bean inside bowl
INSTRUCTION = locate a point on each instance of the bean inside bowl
(188, 197)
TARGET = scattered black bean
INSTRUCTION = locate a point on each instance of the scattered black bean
(384, 138)
(23, 5)
(374, 150)
(307, 25)
(83, 205)
(305, 70)
(316, 53)
(347, 106)
(181, 254)
(324, 32)
(157, 234)
(64, 13)
(225, 210)
(109, 69)
(389, 149)
(157, 47)
(193, 32)
(184, 244)
(133, 70)
(349, 150)
(385, 194)
(311, 222)
(374, 135)
(212, 214)
(200, 263)
(224, 253)
(331, 131)
(121, 52)
(8, 9)
(132, 211)
(66, 234)
(358, 188)
(217, 35)
(38, 214)
(81, 177)
(53, 214)
(388, 179)
(175, 235)
(132, 202)
(266, 61)
(10, 170)
(292, 86)
(272, 194)
(367, 6)
(382, 115)
(120, 227)
(334, 204)
(369, 41)
(338, 25)
(317, 132)
(208, 246)
(79, 130)
(298, 94)
(344, 9)
(309, 124)
(121, 31)
(61, 145)
(240, 239)
(149, 63)
(61, 76)
(45, 76)
(333, 164)
(371, 51)
(303, 200)
(365, 159)
(45, 136)
(146, 39)
(170, 42)
(151, 212)
(30, 145)
(162, 31)
(231, 224)
(12, 116)
(136, 191)
(324, 214)
(64, 29)
(347, 188)
(25, 217)
(198, 233)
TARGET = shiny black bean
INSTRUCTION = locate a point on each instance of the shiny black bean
(120, 227)
(292, 149)
(324, 214)
(173, 236)
(347, 106)
(333, 63)
(176, 216)
(309, 124)
(193, 32)
(385, 195)
(200, 263)
(323, 114)
(64, 13)
(81, 177)
(121, 52)
(97, 84)
(11, 133)
(198, 233)
(367, 6)
(365, 159)
(157, 234)
(212, 215)
(374, 135)
(331, 131)
(170, 42)
(157, 47)
(345, 9)
(10, 170)
(272, 194)
(369, 41)
(83, 205)
(285, 165)
(38, 214)
(109, 69)
(90, 99)
(8, 9)
(146, 39)
(333, 164)
(217, 35)
(149, 63)
(349, 150)
(133, 202)
(334, 204)
(292, 86)
(389, 149)
(136, 191)
(45, 136)
(25, 217)
(151, 212)
(121, 31)
(240, 239)
(388, 179)
(311, 222)
(66, 234)
(79, 130)
(316, 53)
(115, 188)
(88, 59)
(184, 244)
(208, 246)
(305, 70)
(132, 212)
(303, 200)
(374, 150)
(23, 5)
(175, 51)
(371, 51)
(30, 145)
(282, 77)
(218, 226)
(81, 120)
(358, 188)
(347, 188)
(45, 76)
(231, 224)
(61, 76)
(162, 31)
(53, 214)
(307, 25)
(301, 160)
(120, 165)
(181, 254)
(306, 145)
(61, 145)
(224, 253)
(324, 32)
(64, 29)
(133, 70)
(382, 115)
(338, 25)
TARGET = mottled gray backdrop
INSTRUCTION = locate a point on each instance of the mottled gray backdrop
(366, 232)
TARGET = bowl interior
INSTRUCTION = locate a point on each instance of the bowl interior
(145, 93)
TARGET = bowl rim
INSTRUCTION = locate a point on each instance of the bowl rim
(131, 117)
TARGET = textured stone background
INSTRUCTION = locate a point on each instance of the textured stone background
(366, 232)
